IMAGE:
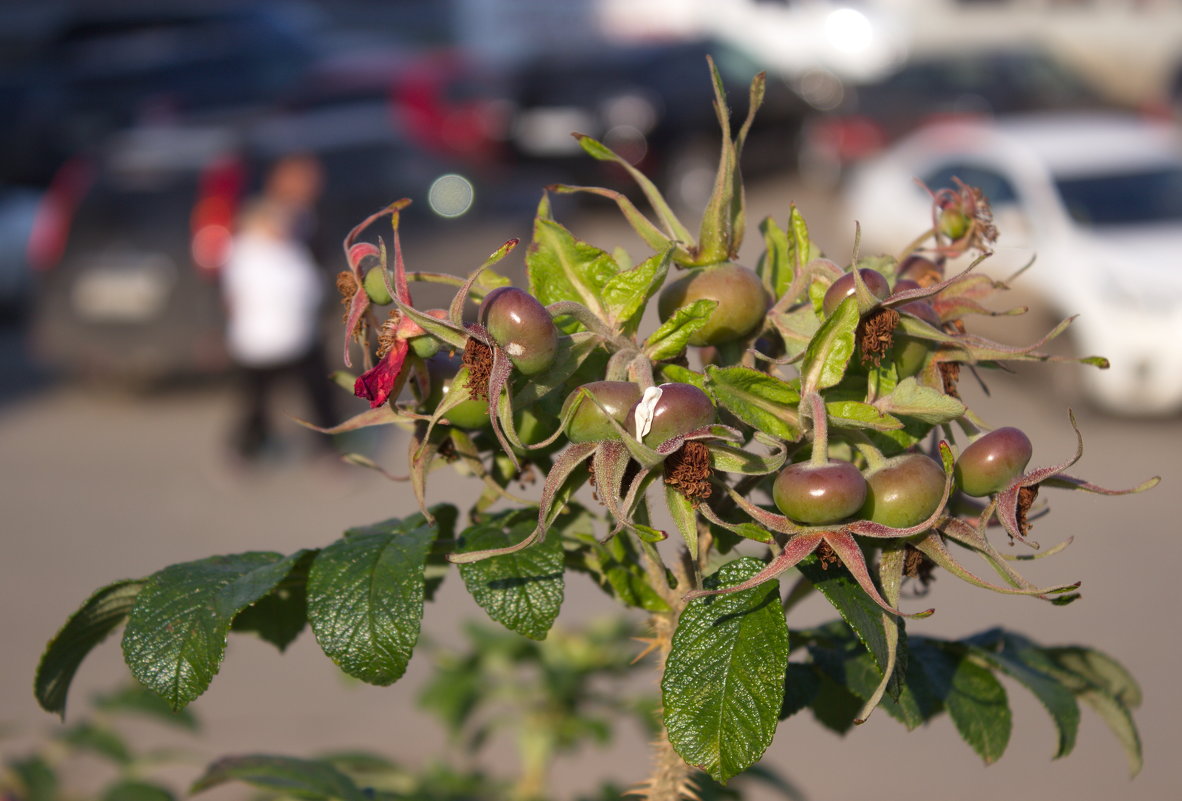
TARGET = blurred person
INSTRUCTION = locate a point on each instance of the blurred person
(274, 292)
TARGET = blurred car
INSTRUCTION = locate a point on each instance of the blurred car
(1096, 197)
(129, 240)
(867, 117)
(103, 67)
(651, 103)
(18, 211)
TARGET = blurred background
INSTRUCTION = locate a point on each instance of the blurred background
(134, 133)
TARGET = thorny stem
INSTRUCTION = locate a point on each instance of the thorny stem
(669, 779)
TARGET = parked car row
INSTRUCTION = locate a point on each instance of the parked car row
(1095, 199)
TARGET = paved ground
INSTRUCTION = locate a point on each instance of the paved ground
(98, 486)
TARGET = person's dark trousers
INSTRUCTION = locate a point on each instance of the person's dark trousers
(310, 373)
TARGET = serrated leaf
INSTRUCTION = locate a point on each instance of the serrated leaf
(911, 399)
(1104, 685)
(670, 340)
(683, 375)
(797, 328)
(627, 293)
(616, 567)
(723, 687)
(176, 634)
(758, 399)
(976, 701)
(861, 614)
(855, 414)
(139, 700)
(1027, 663)
(316, 780)
(1098, 669)
(365, 597)
(280, 615)
(829, 351)
(563, 267)
(523, 590)
(100, 615)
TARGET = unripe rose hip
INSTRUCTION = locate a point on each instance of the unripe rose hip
(590, 423)
(742, 302)
(668, 410)
(819, 494)
(989, 464)
(903, 492)
(844, 287)
(521, 325)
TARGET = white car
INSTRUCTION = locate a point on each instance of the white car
(1096, 197)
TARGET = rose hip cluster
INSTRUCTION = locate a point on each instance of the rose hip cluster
(806, 405)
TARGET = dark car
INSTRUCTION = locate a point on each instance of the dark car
(652, 104)
(102, 67)
(129, 243)
(936, 87)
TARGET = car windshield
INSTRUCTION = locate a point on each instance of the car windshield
(1148, 196)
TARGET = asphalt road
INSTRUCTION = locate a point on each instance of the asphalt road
(99, 486)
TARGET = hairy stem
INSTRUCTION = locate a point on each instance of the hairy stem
(669, 778)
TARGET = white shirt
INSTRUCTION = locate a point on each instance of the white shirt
(273, 291)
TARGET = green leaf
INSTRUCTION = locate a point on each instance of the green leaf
(176, 634)
(280, 615)
(1026, 662)
(618, 563)
(928, 405)
(974, 698)
(723, 686)
(829, 351)
(801, 685)
(98, 740)
(1104, 685)
(758, 399)
(856, 608)
(683, 375)
(733, 459)
(1099, 670)
(627, 293)
(365, 597)
(684, 517)
(138, 700)
(670, 339)
(855, 414)
(522, 590)
(135, 790)
(299, 778)
(36, 778)
(803, 249)
(102, 613)
(562, 267)
(776, 266)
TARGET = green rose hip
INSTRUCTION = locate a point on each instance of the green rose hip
(819, 494)
(590, 422)
(904, 491)
(742, 302)
(990, 463)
